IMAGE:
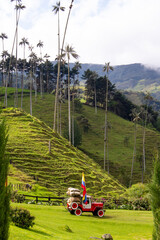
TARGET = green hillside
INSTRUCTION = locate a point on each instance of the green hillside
(121, 138)
(62, 167)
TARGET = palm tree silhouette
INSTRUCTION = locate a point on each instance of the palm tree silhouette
(3, 36)
(18, 8)
(23, 43)
(40, 45)
(69, 52)
(59, 63)
(56, 9)
(106, 69)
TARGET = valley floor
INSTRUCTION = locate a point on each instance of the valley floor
(52, 223)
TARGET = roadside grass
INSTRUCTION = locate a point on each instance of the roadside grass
(54, 222)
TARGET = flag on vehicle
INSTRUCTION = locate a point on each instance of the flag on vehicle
(83, 185)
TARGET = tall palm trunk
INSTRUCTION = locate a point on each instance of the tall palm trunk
(95, 97)
(59, 64)
(106, 130)
(31, 83)
(73, 119)
(134, 151)
(16, 87)
(69, 105)
(7, 79)
(58, 78)
(22, 85)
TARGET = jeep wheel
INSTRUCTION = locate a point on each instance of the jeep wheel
(100, 213)
(78, 212)
(74, 205)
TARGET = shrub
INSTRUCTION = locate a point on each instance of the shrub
(138, 190)
(141, 204)
(22, 217)
(17, 198)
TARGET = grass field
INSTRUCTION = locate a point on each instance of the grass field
(52, 221)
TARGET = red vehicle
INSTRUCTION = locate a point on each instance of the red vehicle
(94, 207)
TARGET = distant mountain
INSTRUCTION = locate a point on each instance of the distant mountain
(131, 77)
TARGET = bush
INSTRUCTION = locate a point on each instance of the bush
(17, 198)
(141, 204)
(138, 190)
(22, 217)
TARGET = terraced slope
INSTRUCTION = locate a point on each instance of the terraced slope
(28, 148)
(121, 137)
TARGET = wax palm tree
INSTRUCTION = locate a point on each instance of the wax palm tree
(35, 61)
(75, 69)
(4, 55)
(18, 8)
(59, 63)
(23, 43)
(40, 45)
(46, 56)
(3, 36)
(56, 9)
(136, 117)
(69, 52)
(32, 60)
(106, 69)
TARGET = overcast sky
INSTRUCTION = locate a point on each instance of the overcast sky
(116, 31)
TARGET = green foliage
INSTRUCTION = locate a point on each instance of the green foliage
(4, 190)
(59, 169)
(22, 218)
(78, 105)
(155, 199)
(120, 155)
(84, 123)
(138, 190)
(77, 134)
(17, 198)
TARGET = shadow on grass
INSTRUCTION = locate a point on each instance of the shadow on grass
(91, 216)
(40, 232)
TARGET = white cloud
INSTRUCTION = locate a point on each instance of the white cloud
(119, 31)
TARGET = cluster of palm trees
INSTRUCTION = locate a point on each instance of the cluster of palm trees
(138, 115)
(29, 70)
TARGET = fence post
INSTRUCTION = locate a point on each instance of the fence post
(36, 199)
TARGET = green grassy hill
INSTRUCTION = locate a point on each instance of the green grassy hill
(62, 167)
(121, 138)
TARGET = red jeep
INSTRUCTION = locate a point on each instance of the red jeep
(78, 208)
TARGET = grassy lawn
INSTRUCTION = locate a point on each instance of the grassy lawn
(51, 222)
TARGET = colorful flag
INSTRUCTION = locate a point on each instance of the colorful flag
(83, 185)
